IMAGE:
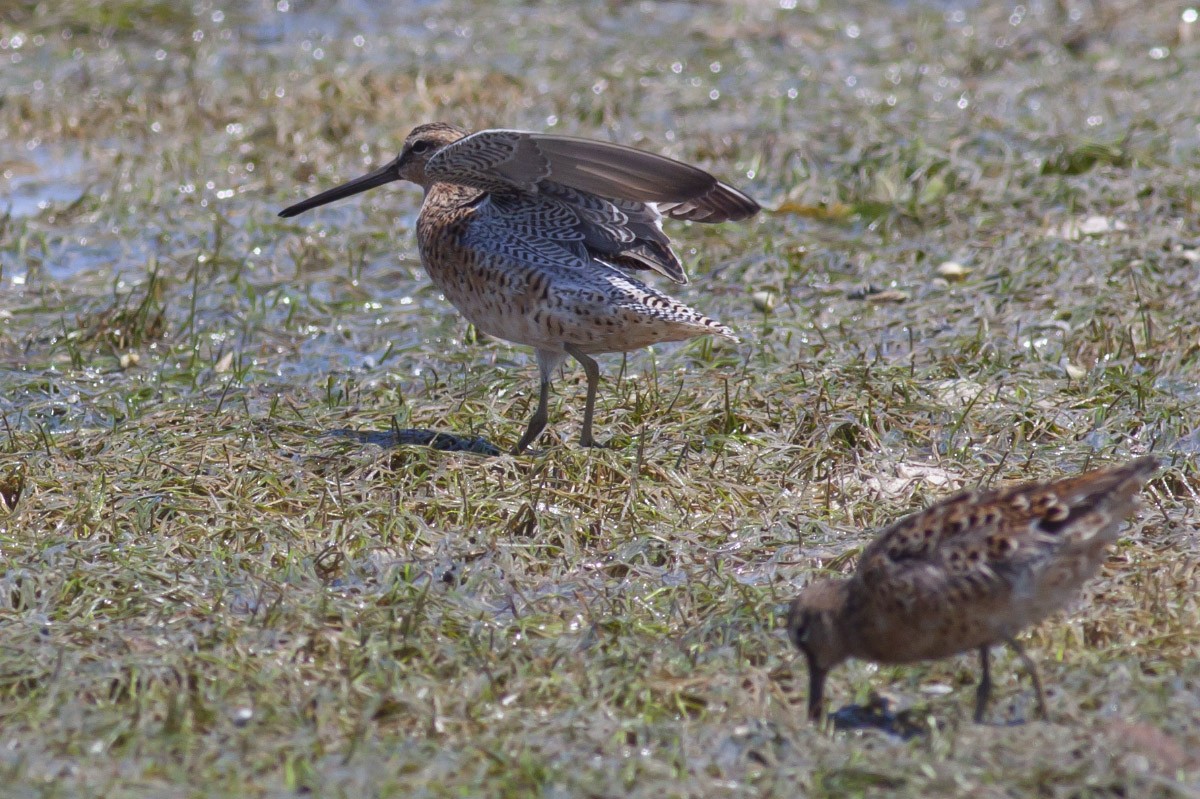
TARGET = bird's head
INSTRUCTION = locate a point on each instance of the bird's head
(814, 625)
(421, 144)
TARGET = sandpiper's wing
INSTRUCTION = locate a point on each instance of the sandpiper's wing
(496, 159)
(617, 194)
(557, 292)
(1035, 538)
(620, 232)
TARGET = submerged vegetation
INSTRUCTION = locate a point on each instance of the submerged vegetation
(225, 568)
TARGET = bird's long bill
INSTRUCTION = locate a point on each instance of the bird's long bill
(816, 691)
(385, 174)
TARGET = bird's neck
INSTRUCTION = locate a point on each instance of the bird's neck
(449, 195)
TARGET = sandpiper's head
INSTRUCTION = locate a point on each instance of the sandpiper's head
(814, 625)
(419, 147)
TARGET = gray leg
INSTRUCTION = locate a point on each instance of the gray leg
(586, 439)
(983, 691)
(1034, 677)
(538, 423)
(548, 361)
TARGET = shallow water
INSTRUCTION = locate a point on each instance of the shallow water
(34, 179)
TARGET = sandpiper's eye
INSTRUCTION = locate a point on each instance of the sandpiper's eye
(419, 147)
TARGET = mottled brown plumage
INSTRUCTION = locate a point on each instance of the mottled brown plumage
(968, 573)
(531, 236)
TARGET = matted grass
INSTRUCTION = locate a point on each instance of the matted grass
(223, 575)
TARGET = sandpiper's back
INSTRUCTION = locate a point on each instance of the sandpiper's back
(980, 566)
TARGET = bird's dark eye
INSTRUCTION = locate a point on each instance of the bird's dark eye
(419, 147)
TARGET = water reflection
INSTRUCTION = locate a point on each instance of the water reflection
(32, 180)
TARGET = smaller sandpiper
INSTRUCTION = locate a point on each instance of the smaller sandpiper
(966, 574)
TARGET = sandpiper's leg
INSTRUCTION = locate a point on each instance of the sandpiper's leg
(548, 361)
(538, 423)
(816, 691)
(1034, 677)
(593, 383)
(983, 691)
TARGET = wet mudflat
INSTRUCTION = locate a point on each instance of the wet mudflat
(228, 564)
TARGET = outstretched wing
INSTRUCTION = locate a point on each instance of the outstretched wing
(616, 194)
(498, 159)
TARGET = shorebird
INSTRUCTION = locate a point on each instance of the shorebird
(968, 573)
(532, 237)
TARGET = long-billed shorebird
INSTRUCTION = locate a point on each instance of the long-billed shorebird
(532, 237)
(968, 573)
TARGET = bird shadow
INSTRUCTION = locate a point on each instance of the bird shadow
(877, 715)
(420, 437)
(905, 724)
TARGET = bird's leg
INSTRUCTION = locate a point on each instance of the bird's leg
(816, 691)
(983, 691)
(1032, 669)
(538, 422)
(548, 361)
(586, 439)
